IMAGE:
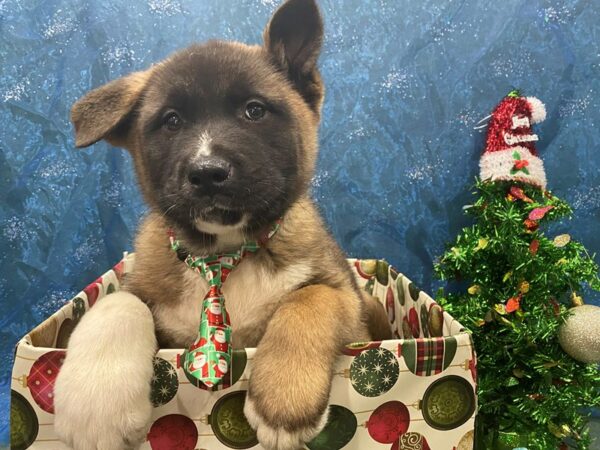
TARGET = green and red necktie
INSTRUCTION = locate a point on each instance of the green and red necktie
(208, 360)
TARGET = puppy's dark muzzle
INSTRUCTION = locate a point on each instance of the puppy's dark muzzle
(209, 175)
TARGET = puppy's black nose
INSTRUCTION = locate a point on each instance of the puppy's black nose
(209, 173)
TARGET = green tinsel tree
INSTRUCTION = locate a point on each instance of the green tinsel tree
(521, 286)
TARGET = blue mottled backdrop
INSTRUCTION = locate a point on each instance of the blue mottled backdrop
(406, 82)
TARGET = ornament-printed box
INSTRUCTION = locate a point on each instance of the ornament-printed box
(416, 391)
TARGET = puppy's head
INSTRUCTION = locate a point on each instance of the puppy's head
(223, 135)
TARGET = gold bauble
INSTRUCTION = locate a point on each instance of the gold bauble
(579, 336)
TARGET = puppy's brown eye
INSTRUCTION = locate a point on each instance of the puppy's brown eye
(172, 121)
(255, 110)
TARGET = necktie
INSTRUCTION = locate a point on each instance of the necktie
(208, 360)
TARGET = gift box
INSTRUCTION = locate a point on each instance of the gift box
(416, 391)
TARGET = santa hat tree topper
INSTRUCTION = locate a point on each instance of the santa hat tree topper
(510, 152)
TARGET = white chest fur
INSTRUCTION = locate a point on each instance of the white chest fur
(248, 291)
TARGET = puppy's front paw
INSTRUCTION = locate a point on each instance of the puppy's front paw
(287, 408)
(289, 433)
(102, 393)
(109, 421)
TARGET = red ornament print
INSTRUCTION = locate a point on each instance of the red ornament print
(173, 432)
(388, 422)
(92, 290)
(42, 376)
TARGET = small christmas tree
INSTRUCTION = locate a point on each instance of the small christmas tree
(523, 296)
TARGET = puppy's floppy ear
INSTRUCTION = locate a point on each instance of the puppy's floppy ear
(103, 112)
(293, 38)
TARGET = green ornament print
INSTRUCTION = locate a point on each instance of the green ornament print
(448, 403)
(340, 429)
(400, 289)
(414, 291)
(24, 425)
(229, 423)
(78, 308)
(164, 382)
(368, 266)
(381, 272)
(239, 359)
(374, 372)
(436, 321)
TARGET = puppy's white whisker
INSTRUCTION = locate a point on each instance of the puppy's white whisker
(169, 209)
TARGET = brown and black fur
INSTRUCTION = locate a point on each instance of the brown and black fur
(271, 162)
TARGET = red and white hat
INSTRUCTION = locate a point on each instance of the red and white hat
(510, 152)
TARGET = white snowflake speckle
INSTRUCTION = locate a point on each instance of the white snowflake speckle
(585, 201)
(556, 14)
(87, 250)
(16, 91)
(57, 169)
(576, 106)
(58, 25)
(511, 66)
(165, 7)
(317, 180)
(16, 229)
(399, 82)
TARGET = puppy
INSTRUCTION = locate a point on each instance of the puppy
(224, 142)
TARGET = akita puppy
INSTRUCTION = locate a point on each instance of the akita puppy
(224, 142)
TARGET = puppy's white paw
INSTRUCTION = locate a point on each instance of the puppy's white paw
(273, 437)
(102, 393)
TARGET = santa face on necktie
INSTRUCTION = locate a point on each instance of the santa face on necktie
(199, 363)
(219, 340)
(214, 313)
(221, 368)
